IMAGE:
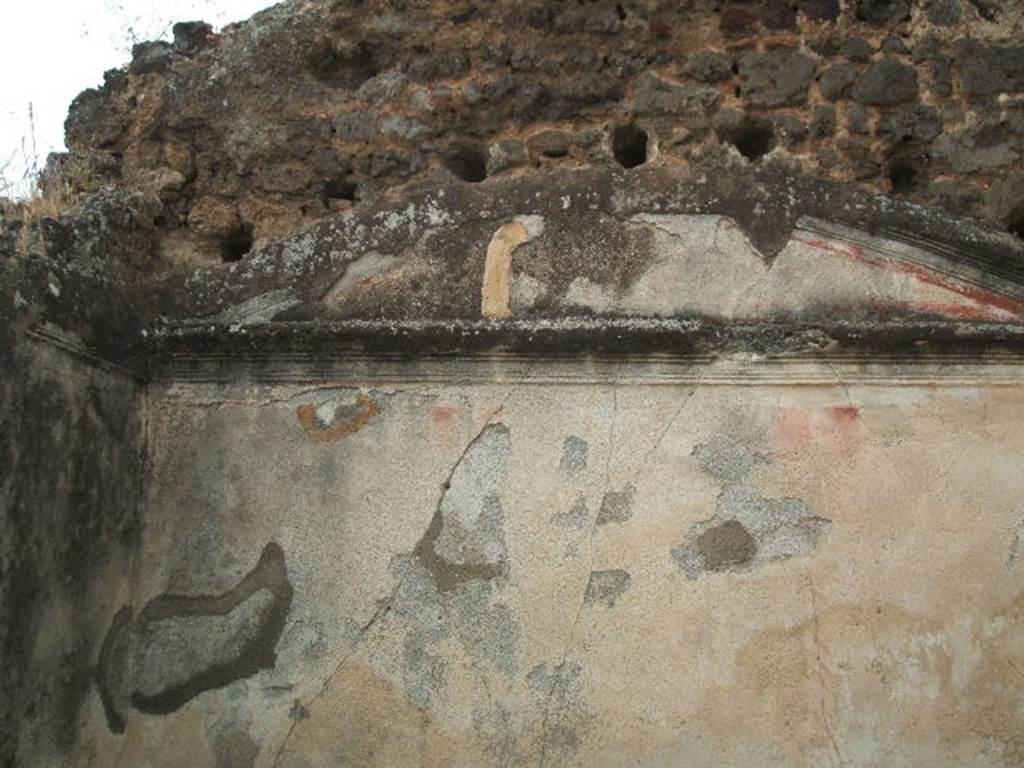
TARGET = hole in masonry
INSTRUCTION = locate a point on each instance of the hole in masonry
(340, 189)
(901, 177)
(237, 244)
(1015, 223)
(754, 137)
(341, 65)
(629, 145)
(468, 163)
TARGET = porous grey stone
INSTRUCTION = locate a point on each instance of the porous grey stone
(508, 153)
(886, 82)
(944, 13)
(823, 124)
(834, 81)
(151, 57)
(709, 67)
(790, 128)
(883, 12)
(857, 49)
(403, 127)
(600, 17)
(655, 96)
(981, 147)
(913, 121)
(989, 69)
(383, 88)
(357, 126)
(550, 143)
(775, 78)
(894, 44)
(395, 162)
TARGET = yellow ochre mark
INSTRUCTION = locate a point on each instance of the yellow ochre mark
(496, 289)
(319, 434)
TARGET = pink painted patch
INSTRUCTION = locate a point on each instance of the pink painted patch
(842, 424)
(443, 415)
(792, 429)
(832, 427)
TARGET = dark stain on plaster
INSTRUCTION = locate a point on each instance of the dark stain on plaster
(447, 576)
(271, 574)
(108, 668)
(617, 506)
(347, 419)
(170, 613)
(233, 747)
(726, 545)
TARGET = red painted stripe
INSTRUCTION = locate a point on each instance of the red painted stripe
(925, 275)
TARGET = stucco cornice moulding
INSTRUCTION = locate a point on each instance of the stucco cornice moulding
(588, 349)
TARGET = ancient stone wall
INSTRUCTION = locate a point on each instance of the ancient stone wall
(311, 108)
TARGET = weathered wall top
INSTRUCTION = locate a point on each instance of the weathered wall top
(311, 108)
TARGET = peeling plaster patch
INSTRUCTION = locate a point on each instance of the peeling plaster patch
(447, 585)
(617, 506)
(725, 460)
(466, 538)
(747, 529)
(606, 587)
(1016, 544)
(497, 728)
(576, 517)
(495, 296)
(574, 455)
(259, 309)
(422, 672)
(327, 423)
(726, 545)
(565, 719)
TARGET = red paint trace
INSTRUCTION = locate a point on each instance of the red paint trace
(995, 307)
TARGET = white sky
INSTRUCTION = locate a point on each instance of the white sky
(50, 50)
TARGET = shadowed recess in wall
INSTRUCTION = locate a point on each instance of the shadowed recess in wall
(182, 645)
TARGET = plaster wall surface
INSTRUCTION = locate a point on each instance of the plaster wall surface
(818, 570)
